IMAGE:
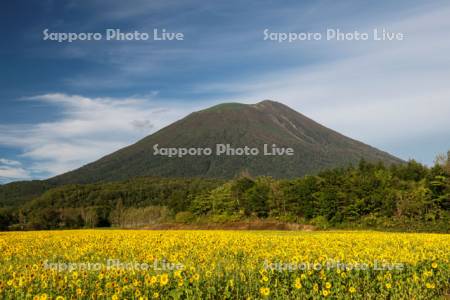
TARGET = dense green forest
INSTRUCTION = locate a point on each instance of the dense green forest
(407, 196)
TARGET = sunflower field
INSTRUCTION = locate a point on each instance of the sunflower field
(141, 264)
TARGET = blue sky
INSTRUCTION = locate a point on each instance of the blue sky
(63, 105)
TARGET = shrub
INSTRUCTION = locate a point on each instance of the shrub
(320, 222)
(184, 217)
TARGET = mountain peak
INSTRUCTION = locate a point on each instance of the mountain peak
(270, 105)
(264, 105)
(226, 106)
(268, 102)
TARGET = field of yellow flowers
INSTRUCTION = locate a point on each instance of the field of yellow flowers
(140, 264)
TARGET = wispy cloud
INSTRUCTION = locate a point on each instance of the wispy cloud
(9, 162)
(88, 128)
(11, 170)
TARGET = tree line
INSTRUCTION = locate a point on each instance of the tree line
(407, 196)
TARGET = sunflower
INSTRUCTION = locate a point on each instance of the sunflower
(298, 284)
(164, 279)
(264, 291)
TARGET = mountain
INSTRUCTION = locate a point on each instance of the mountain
(315, 147)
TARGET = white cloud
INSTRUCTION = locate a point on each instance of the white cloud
(88, 129)
(12, 170)
(9, 162)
